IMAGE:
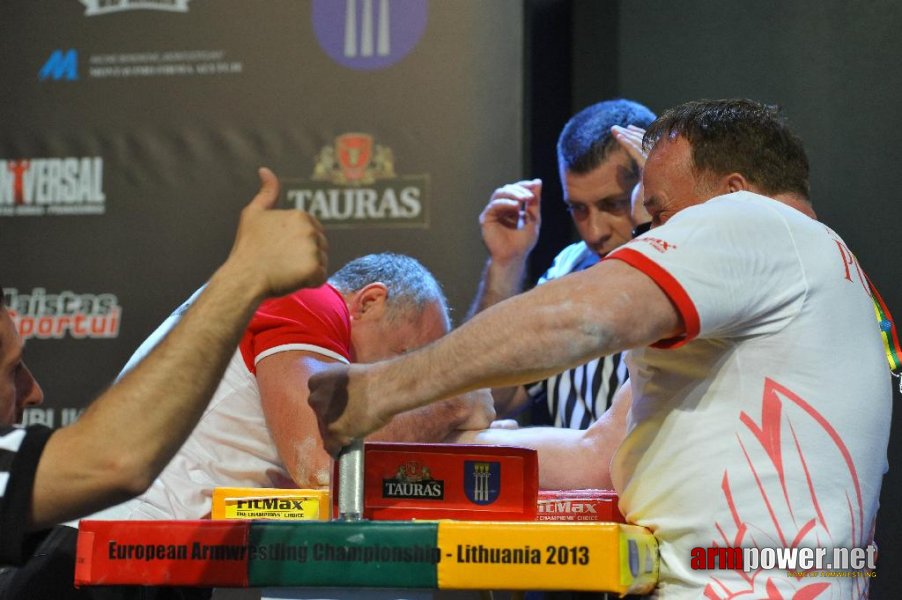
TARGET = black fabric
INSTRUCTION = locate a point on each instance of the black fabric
(15, 543)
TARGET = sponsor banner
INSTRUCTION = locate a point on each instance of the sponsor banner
(77, 315)
(65, 65)
(369, 554)
(52, 186)
(354, 184)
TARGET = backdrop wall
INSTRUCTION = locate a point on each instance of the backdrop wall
(132, 131)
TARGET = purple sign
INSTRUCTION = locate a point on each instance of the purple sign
(368, 34)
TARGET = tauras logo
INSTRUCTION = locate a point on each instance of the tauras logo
(413, 480)
(59, 186)
(354, 184)
(102, 7)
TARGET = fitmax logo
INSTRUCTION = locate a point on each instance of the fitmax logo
(61, 66)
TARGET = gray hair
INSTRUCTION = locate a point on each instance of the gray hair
(411, 287)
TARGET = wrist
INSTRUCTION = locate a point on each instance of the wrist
(245, 282)
(508, 262)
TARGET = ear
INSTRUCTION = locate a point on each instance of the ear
(369, 301)
(736, 182)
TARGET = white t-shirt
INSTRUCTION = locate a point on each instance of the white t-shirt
(767, 423)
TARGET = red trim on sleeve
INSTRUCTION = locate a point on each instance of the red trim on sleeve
(670, 286)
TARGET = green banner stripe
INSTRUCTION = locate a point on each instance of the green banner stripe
(330, 554)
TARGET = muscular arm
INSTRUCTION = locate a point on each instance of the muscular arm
(282, 380)
(129, 434)
(438, 421)
(510, 228)
(126, 437)
(500, 280)
(608, 308)
(569, 458)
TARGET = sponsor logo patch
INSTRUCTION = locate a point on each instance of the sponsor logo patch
(77, 315)
(102, 7)
(52, 186)
(368, 34)
(482, 481)
(413, 481)
(61, 66)
(354, 184)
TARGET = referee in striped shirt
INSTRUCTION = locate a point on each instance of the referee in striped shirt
(125, 438)
(598, 172)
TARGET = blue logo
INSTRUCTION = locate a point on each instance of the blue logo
(633, 557)
(62, 65)
(482, 481)
(368, 34)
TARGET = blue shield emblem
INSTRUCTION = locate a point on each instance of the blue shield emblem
(482, 481)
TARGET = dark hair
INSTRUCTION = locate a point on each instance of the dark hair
(738, 136)
(586, 139)
(411, 287)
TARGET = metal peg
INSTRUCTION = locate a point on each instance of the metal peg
(350, 482)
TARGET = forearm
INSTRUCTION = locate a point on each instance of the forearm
(568, 458)
(510, 401)
(129, 434)
(431, 423)
(500, 281)
(556, 326)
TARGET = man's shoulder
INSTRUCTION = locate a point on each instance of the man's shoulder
(305, 300)
(575, 257)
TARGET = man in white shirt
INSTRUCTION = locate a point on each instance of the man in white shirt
(760, 396)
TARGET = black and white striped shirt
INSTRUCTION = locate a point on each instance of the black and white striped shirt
(20, 451)
(577, 397)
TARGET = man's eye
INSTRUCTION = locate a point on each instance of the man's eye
(578, 211)
(617, 207)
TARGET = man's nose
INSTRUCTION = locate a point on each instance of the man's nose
(28, 390)
(599, 226)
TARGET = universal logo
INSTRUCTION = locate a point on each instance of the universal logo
(52, 186)
(354, 184)
(413, 481)
(103, 7)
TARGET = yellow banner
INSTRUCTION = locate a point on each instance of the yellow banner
(547, 556)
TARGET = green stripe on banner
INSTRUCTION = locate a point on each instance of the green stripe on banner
(337, 553)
